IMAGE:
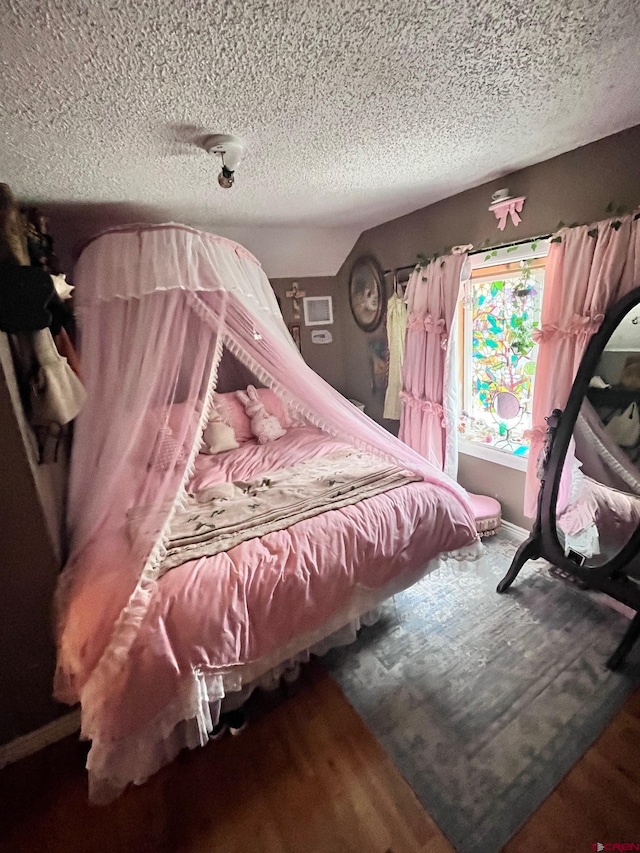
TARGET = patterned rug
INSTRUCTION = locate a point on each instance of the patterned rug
(485, 701)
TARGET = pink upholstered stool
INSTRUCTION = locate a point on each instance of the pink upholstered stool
(488, 513)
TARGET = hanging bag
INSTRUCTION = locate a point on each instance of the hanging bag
(624, 428)
(57, 395)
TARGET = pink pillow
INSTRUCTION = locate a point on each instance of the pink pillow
(167, 451)
(232, 412)
(165, 425)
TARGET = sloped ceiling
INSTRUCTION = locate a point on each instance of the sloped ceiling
(354, 111)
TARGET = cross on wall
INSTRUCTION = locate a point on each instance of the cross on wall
(295, 295)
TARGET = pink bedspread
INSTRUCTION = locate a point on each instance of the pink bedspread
(216, 613)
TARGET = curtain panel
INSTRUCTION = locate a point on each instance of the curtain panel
(589, 268)
(428, 421)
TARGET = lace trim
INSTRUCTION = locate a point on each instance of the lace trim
(138, 228)
(580, 325)
(420, 404)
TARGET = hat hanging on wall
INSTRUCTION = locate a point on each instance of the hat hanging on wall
(503, 205)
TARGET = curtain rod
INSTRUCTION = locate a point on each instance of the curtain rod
(477, 251)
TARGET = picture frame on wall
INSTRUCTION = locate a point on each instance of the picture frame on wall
(294, 329)
(367, 293)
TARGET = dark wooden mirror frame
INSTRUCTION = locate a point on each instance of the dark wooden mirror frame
(611, 577)
(377, 276)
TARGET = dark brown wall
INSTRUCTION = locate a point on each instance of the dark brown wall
(28, 575)
(326, 359)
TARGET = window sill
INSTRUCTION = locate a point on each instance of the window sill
(492, 454)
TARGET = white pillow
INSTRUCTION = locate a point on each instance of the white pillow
(218, 437)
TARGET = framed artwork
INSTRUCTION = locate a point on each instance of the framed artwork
(367, 293)
(318, 310)
(295, 334)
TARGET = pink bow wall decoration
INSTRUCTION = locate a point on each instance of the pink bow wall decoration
(508, 207)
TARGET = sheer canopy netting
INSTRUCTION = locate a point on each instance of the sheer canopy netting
(156, 308)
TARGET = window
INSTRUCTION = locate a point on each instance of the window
(498, 312)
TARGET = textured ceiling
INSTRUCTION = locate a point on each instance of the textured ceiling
(353, 111)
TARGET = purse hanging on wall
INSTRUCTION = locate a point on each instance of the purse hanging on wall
(56, 393)
(624, 428)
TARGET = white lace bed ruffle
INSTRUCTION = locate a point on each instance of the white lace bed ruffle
(187, 721)
(189, 718)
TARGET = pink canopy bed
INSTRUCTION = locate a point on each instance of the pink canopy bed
(204, 561)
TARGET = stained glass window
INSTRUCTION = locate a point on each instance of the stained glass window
(501, 310)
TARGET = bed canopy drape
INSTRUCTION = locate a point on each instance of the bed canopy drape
(157, 307)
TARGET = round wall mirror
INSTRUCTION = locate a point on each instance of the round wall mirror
(367, 293)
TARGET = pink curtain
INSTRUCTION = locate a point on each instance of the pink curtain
(427, 421)
(588, 271)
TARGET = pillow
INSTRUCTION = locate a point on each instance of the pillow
(232, 412)
(218, 437)
(168, 452)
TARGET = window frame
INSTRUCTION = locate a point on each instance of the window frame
(484, 259)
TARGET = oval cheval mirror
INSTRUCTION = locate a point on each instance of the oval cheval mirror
(588, 521)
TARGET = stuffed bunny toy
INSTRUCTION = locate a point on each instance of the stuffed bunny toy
(264, 426)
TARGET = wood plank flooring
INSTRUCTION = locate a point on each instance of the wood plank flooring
(307, 776)
(598, 800)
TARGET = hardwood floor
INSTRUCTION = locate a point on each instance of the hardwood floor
(307, 776)
(598, 800)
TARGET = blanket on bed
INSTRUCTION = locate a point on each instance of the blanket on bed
(226, 514)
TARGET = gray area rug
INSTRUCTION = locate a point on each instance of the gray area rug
(485, 701)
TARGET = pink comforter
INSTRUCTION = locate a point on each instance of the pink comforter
(216, 613)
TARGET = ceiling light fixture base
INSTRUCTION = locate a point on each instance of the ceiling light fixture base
(227, 146)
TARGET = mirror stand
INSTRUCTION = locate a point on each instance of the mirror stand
(588, 513)
(533, 548)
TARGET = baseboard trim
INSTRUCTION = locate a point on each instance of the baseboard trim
(34, 741)
(520, 532)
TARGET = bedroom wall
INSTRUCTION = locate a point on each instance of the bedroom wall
(326, 359)
(29, 567)
(575, 187)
